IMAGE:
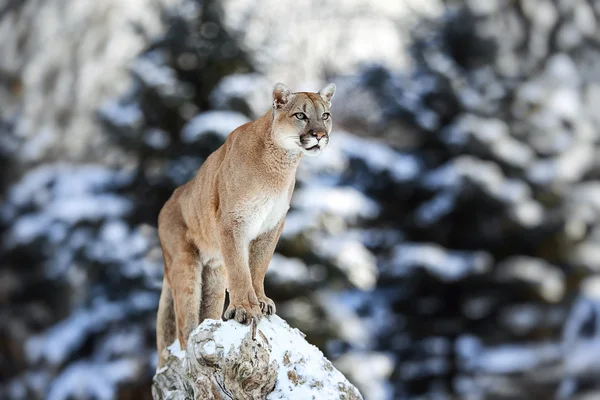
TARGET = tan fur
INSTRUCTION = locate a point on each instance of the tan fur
(222, 226)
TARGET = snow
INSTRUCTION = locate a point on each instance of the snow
(230, 338)
(305, 359)
(446, 265)
(581, 348)
(485, 174)
(38, 145)
(110, 247)
(569, 166)
(122, 342)
(175, 349)
(349, 326)
(444, 177)
(157, 138)
(370, 370)
(435, 209)
(377, 237)
(95, 380)
(254, 90)
(62, 339)
(586, 193)
(61, 196)
(358, 32)
(513, 358)
(59, 342)
(90, 208)
(62, 180)
(123, 115)
(284, 270)
(209, 348)
(351, 257)
(313, 203)
(346, 202)
(298, 222)
(219, 123)
(503, 359)
(590, 289)
(155, 74)
(549, 280)
(380, 158)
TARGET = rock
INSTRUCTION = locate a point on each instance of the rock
(271, 360)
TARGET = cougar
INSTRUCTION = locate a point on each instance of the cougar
(218, 231)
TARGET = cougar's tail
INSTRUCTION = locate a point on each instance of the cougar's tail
(166, 331)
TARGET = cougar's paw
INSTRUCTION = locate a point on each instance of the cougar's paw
(267, 306)
(242, 313)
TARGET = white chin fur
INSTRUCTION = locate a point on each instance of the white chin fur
(289, 144)
(312, 153)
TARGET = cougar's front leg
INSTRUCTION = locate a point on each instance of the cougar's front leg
(243, 304)
(261, 252)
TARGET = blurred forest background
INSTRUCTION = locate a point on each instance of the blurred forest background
(445, 246)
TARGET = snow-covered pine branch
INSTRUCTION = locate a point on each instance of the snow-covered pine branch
(226, 360)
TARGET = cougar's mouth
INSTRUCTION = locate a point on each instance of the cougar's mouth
(316, 146)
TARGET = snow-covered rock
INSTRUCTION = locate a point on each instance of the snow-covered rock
(271, 360)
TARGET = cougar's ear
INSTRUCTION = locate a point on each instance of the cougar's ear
(281, 95)
(327, 92)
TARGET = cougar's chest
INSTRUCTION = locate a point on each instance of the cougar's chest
(264, 213)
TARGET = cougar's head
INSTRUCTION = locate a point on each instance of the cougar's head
(302, 121)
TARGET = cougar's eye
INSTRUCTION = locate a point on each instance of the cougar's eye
(325, 116)
(300, 116)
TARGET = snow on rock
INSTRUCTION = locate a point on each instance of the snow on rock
(176, 350)
(226, 360)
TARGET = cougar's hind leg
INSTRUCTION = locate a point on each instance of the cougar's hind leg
(166, 331)
(213, 292)
(186, 286)
(182, 270)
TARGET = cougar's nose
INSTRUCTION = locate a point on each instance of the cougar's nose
(318, 135)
